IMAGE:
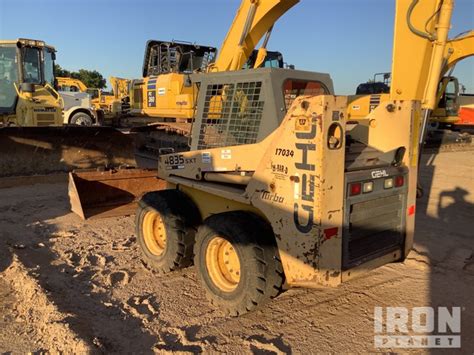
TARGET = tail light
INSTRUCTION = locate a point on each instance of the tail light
(388, 184)
(399, 180)
(368, 187)
(355, 188)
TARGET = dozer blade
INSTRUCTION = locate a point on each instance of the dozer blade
(44, 150)
(95, 194)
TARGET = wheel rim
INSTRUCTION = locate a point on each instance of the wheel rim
(223, 264)
(154, 233)
(83, 121)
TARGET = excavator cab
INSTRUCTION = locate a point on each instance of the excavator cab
(27, 94)
(448, 104)
(375, 86)
(163, 57)
(273, 59)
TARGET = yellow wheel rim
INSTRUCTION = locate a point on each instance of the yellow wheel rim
(223, 264)
(154, 233)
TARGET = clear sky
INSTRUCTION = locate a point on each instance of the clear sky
(349, 39)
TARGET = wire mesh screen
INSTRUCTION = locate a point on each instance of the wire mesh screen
(232, 114)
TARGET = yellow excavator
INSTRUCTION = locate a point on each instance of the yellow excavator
(166, 91)
(369, 95)
(313, 199)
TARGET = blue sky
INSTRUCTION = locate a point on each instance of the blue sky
(349, 39)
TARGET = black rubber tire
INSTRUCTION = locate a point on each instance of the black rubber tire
(180, 217)
(261, 274)
(82, 119)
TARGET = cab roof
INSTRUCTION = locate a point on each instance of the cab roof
(27, 42)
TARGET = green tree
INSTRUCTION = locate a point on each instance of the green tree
(58, 71)
(91, 78)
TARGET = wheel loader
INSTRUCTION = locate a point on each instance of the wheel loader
(266, 201)
(27, 94)
(33, 139)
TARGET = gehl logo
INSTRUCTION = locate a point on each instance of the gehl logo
(303, 208)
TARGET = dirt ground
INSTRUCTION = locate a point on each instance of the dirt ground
(74, 286)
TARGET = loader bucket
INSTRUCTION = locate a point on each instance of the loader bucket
(45, 150)
(112, 193)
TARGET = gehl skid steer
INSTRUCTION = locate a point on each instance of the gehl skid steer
(311, 199)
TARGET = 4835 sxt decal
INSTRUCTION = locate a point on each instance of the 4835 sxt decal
(178, 161)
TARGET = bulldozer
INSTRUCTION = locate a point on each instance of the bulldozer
(305, 198)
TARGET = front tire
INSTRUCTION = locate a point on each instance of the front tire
(82, 119)
(165, 227)
(237, 260)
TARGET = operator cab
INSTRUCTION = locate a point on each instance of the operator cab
(449, 86)
(36, 68)
(375, 86)
(273, 59)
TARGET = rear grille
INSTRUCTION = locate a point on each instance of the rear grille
(374, 228)
(45, 119)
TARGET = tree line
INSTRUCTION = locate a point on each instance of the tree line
(91, 78)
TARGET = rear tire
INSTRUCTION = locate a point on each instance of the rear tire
(237, 260)
(165, 227)
(82, 119)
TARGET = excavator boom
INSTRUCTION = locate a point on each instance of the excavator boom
(253, 19)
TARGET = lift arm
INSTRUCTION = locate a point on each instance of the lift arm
(253, 19)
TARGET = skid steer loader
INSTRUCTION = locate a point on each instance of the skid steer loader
(310, 199)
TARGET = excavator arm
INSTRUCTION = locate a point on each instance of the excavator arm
(458, 49)
(253, 20)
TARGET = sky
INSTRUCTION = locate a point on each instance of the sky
(351, 40)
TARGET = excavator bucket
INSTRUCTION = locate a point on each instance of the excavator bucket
(100, 194)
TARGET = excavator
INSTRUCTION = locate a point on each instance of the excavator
(448, 101)
(270, 198)
(166, 91)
